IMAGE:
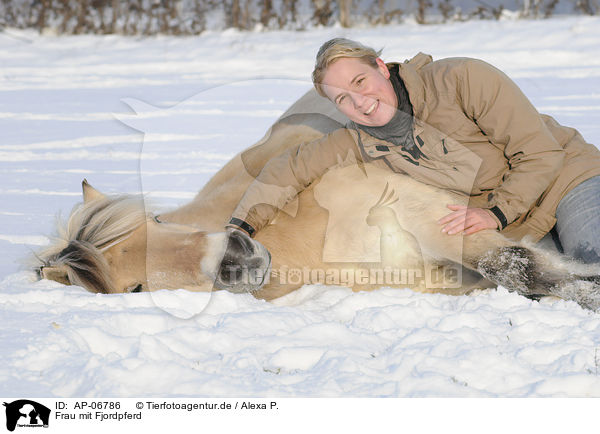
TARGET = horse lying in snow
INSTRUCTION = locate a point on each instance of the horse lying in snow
(113, 245)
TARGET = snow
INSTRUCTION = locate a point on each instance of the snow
(60, 105)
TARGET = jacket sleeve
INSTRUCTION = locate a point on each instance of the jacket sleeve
(286, 175)
(509, 120)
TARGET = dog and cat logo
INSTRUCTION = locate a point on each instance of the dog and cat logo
(26, 414)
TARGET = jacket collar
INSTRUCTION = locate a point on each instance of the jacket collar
(409, 72)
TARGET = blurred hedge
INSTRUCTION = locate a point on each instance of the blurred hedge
(189, 17)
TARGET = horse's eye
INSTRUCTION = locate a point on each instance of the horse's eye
(133, 289)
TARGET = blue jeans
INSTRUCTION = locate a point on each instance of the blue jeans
(578, 222)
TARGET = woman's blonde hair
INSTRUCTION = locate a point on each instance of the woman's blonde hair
(335, 49)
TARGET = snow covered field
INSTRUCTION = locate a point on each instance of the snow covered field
(58, 101)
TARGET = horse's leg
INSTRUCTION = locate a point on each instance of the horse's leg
(523, 268)
(528, 270)
(532, 272)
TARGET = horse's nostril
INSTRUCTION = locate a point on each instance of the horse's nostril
(230, 271)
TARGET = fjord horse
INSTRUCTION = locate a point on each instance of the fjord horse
(378, 228)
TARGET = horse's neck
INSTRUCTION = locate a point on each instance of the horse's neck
(308, 119)
(211, 208)
(213, 205)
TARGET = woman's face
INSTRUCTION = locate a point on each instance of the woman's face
(360, 91)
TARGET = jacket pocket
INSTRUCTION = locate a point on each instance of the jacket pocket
(535, 226)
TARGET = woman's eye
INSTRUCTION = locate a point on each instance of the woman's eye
(359, 81)
(341, 100)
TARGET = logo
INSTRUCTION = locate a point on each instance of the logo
(26, 413)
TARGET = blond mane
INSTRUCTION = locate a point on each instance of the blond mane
(75, 257)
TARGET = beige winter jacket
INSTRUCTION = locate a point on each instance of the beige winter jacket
(476, 133)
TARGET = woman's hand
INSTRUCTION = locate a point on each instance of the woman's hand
(467, 220)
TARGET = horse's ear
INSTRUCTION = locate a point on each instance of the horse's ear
(90, 193)
(58, 274)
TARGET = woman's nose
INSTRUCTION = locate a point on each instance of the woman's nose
(360, 101)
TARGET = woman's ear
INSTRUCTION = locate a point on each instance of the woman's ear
(383, 69)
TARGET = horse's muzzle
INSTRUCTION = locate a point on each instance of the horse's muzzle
(246, 264)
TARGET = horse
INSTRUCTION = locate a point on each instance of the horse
(112, 244)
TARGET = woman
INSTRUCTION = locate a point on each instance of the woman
(458, 124)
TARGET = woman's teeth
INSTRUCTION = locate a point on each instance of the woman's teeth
(370, 110)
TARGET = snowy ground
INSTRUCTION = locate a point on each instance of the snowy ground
(57, 100)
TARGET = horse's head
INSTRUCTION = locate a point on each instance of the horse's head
(112, 245)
